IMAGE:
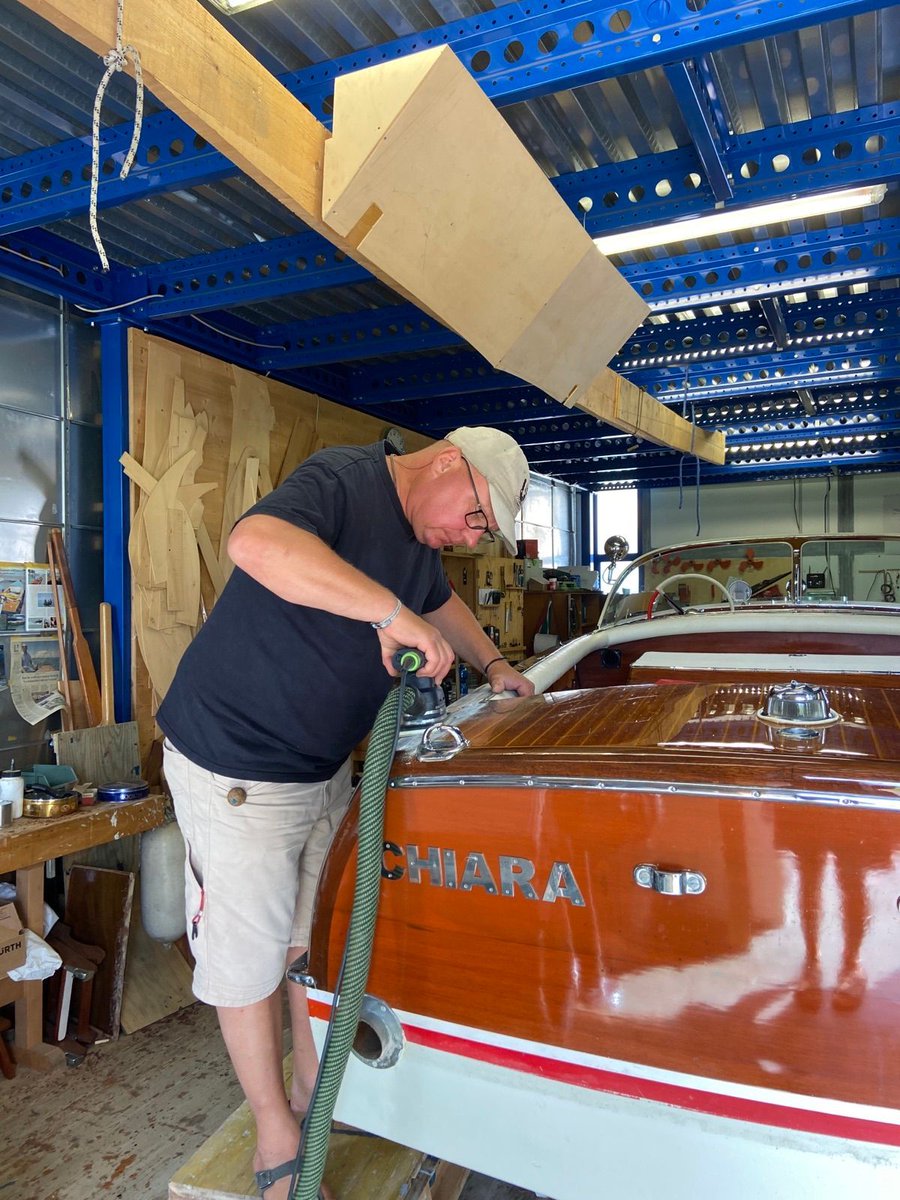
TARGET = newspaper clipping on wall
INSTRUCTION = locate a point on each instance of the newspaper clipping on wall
(33, 672)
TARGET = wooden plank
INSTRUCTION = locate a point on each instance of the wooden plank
(107, 696)
(98, 911)
(428, 182)
(104, 754)
(157, 978)
(80, 648)
(620, 403)
(448, 1183)
(357, 1168)
(227, 96)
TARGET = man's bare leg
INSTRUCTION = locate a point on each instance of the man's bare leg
(253, 1037)
(306, 1060)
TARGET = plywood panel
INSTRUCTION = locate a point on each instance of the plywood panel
(98, 911)
(425, 178)
(297, 423)
(157, 978)
(104, 754)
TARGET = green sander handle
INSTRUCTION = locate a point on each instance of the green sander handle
(408, 658)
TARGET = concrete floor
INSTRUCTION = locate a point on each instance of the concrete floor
(120, 1124)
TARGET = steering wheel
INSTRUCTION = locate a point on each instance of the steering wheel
(661, 590)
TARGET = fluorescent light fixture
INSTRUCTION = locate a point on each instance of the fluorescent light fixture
(236, 6)
(731, 220)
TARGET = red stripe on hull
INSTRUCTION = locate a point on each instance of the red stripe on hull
(714, 1104)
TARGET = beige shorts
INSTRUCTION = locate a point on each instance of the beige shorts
(250, 871)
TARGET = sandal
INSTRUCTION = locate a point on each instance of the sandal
(265, 1179)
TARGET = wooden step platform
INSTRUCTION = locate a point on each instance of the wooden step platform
(358, 1168)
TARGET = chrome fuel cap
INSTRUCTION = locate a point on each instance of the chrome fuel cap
(794, 703)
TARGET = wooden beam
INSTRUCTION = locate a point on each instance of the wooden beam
(427, 186)
(622, 404)
(193, 65)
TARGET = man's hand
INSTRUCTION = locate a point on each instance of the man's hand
(504, 678)
(407, 629)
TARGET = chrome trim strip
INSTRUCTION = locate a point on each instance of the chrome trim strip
(714, 791)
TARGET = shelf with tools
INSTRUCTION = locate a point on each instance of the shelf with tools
(492, 586)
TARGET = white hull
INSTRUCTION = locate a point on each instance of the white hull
(529, 1124)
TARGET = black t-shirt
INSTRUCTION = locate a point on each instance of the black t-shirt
(277, 691)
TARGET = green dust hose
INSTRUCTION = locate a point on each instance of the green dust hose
(358, 953)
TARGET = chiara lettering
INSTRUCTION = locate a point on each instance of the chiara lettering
(508, 875)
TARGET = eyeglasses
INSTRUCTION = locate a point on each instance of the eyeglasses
(477, 518)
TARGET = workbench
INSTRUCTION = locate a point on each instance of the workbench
(25, 847)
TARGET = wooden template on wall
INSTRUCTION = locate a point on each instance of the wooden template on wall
(206, 438)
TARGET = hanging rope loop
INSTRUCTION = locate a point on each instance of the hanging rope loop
(115, 60)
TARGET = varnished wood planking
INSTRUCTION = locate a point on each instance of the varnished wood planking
(592, 674)
(694, 991)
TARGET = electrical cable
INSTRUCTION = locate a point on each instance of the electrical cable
(31, 258)
(124, 304)
(234, 336)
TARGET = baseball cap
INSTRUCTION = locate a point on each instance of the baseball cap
(500, 460)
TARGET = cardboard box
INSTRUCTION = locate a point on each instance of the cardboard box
(12, 940)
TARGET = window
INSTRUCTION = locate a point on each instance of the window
(548, 517)
(615, 514)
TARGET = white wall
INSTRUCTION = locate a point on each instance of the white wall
(876, 503)
(753, 509)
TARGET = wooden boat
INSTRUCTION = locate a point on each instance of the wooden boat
(640, 936)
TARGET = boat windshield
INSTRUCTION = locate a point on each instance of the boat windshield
(702, 576)
(850, 572)
(832, 571)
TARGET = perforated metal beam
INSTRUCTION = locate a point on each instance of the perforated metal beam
(518, 51)
(688, 91)
(823, 154)
(668, 473)
(251, 274)
(284, 266)
(862, 361)
(587, 455)
(814, 323)
(58, 268)
(52, 184)
(746, 272)
(349, 337)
